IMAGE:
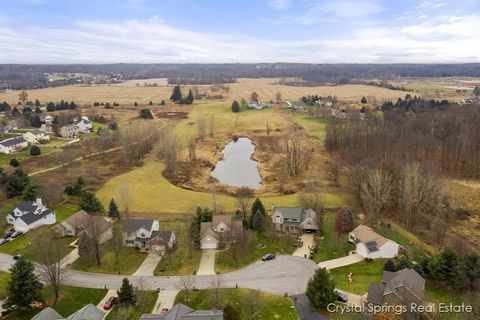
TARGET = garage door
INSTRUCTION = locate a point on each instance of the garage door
(209, 246)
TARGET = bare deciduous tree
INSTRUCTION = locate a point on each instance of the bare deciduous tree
(334, 171)
(93, 229)
(192, 147)
(312, 196)
(244, 198)
(215, 285)
(278, 97)
(169, 150)
(211, 125)
(295, 156)
(376, 191)
(186, 284)
(439, 228)
(117, 244)
(125, 197)
(202, 128)
(49, 256)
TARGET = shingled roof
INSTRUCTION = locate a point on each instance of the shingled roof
(132, 225)
(13, 141)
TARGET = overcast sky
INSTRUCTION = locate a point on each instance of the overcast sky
(217, 31)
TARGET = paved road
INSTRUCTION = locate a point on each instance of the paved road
(286, 274)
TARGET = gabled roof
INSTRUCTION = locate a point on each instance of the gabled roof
(13, 141)
(391, 281)
(132, 225)
(89, 312)
(288, 212)
(183, 312)
(226, 219)
(366, 235)
(31, 212)
(375, 293)
(206, 230)
(48, 314)
(37, 132)
(80, 218)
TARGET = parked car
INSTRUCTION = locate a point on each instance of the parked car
(16, 234)
(7, 234)
(110, 303)
(268, 256)
(341, 297)
(297, 244)
(3, 241)
(17, 257)
(164, 310)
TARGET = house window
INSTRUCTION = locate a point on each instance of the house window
(142, 235)
(129, 241)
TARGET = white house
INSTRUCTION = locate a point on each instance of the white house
(12, 145)
(370, 244)
(36, 136)
(29, 215)
(84, 125)
(145, 234)
(48, 120)
(69, 131)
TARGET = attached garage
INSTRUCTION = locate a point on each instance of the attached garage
(208, 242)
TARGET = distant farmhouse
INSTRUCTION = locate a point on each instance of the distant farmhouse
(472, 100)
(221, 230)
(69, 131)
(29, 215)
(145, 235)
(84, 125)
(370, 244)
(13, 145)
(36, 136)
(404, 287)
(297, 105)
(255, 105)
(294, 220)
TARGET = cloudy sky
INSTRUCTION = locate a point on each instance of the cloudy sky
(217, 31)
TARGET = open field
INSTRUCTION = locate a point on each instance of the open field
(266, 88)
(268, 306)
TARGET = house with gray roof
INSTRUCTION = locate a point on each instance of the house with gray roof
(69, 131)
(145, 235)
(29, 215)
(89, 312)
(404, 287)
(12, 145)
(294, 220)
(36, 136)
(370, 244)
(183, 312)
(222, 228)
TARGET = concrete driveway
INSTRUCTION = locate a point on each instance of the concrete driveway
(110, 293)
(148, 265)
(166, 299)
(340, 262)
(70, 258)
(207, 262)
(354, 299)
(308, 242)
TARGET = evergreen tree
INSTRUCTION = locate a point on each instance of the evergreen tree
(78, 188)
(321, 289)
(16, 183)
(37, 103)
(15, 113)
(150, 103)
(389, 266)
(364, 100)
(230, 313)
(190, 97)
(135, 104)
(51, 107)
(419, 269)
(176, 94)
(113, 209)
(31, 192)
(471, 270)
(126, 294)
(162, 103)
(258, 221)
(235, 106)
(35, 151)
(113, 125)
(14, 163)
(90, 203)
(146, 114)
(403, 264)
(476, 91)
(38, 110)
(258, 205)
(22, 287)
(445, 267)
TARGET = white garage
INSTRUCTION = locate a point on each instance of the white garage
(370, 244)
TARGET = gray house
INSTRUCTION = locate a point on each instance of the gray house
(89, 312)
(183, 312)
(294, 220)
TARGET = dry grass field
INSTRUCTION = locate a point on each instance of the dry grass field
(127, 93)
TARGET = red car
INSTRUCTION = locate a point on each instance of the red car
(164, 310)
(110, 303)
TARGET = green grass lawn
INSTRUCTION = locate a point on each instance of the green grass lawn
(71, 299)
(4, 278)
(130, 259)
(331, 247)
(51, 147)
(253, 251)
(314, 126)
(64, 210)
(268, 306)
(180, 261)
(364, 273)
(145, 304)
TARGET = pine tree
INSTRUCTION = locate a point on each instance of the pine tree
(113, 209)
(321, 289)
(37, 103)
(146, 114)
(126, 294)
(419, 269)
(258, 221)
(90, 203)
(31, 192)
(445, 267)
(403, 264)
(35, 151)
(189, 98)
(22, 287)
(364, 100)
(176, 94)
(235, 106)
(16, 183)
(389, 266)
(14, 163)
(78, 188)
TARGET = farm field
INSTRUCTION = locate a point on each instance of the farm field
(266, 88)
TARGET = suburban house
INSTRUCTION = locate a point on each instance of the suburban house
(183, 312)
(297, 105)
(472, 100)
(36, 136)
(12, 145)
(403, 287)
(69, 131)
(84, 125)
(76, 224)
(221, 229)
(370, 244)
(29, 215)
(294, 220)
(145, 235)
(89, 312)
(48, 120)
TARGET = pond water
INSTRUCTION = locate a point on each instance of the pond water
(237, 168)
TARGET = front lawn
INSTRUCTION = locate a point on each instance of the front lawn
(130, 259)
(71, 299)
(364, 273)
(180, 261)
(145, 303)
(267, 306)
(252, 251)
(330, 247)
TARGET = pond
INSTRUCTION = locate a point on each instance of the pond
(237, 168)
